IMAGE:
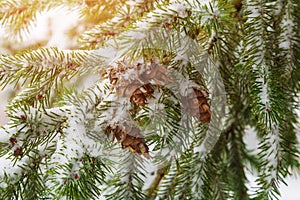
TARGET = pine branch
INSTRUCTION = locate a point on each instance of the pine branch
(127, 14)
(43, 71)
(41, 64)
(214, 174)
(178, 83)
(268, 103)
(236, 164)
(152, 191)
(34, 135)
(18, 16)
(127, 182)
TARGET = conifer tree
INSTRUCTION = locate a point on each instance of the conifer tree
(178, 84)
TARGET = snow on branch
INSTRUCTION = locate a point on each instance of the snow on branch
(288, 36)
(59, 134)
(41, 65)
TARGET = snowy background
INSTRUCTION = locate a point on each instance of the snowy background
(53, 26)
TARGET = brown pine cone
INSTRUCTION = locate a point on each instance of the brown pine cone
(158, 73)
(127, 88)
(140, 95)
(130, 138)
(139, 89)
(113, 77)
(196, 105)
(115, 72)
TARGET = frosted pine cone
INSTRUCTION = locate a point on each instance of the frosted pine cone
(130, 138)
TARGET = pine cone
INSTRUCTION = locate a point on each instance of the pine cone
(196, 104)
(140, 95)
(139, 89)
(114, 73)
(113, 76)
(127, 88)
(158, 73)
(130, 138)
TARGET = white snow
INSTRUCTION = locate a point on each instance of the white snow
(179, 8)
(142, 25)
(110, 54)
(264, 92)
(288, 33)
(254, 9)
(59, 37)
(136, 35)
(13, 170)
(4, 136)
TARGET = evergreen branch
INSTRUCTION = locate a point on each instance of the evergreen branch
(152, 191)
(122, 20)
(18, 15)
(44, 71)
(214, 176)
(128, 181)
(243, 54)
(222, 43)
(85, 179)
(41, 65)
(169, 181)
(95, 12)
(236, 153)
(268, 103)
(30, 184)
(33, 134)
(177, 179)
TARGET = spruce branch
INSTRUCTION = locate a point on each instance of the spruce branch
(37, 135)
(267, 103)
(41, 65)
(178, 82)
(160, 173)
(126, 15)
